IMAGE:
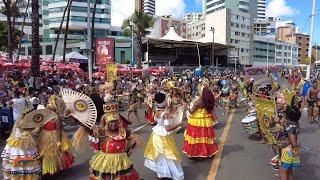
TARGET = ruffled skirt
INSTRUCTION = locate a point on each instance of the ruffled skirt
(199, 137)
(288, 159)
(161, 156)
(106, 165)
(18, 164)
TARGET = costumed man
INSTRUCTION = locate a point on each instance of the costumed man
(114, 144)
(134, 103)
(20, 157)
(54, 145)
(199, 137)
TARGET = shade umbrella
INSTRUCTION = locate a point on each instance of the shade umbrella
(46, 68)
(98, 74)
(8, 65)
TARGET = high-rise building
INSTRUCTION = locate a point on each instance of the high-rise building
(232, 21)
(261, 9)
(138, 5)
(149, 7)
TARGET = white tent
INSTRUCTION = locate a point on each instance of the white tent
(74, 56)
(173, 36)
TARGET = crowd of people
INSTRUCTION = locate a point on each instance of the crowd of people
(38, 146)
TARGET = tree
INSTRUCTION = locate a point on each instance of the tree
(140, 23)
(11, 11)
(35, 44)
(17, 35)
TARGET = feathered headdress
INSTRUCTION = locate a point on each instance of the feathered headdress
(288, 96)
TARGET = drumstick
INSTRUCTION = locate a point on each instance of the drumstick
(138, 128)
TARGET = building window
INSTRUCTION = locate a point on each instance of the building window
(48, 49)
(122, 56)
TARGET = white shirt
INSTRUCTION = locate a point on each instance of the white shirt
(17, 107)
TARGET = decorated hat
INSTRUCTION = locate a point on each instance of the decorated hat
(111, 111)
(37, 118)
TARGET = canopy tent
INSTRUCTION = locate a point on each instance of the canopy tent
(74, 57)
(174, 50)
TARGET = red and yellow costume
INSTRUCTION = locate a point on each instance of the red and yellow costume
(112, 159)
(199, 137)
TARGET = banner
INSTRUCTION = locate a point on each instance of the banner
(266, 108)
(111, 72)
(105, 51)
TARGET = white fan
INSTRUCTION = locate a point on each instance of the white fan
(37, 118)
(81, 106)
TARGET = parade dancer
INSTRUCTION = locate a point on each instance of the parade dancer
(199, 138)
(311, 99)
(176, 103)
(290, 153)
(20, 157)
(134, 104)
(161, 154)
(54, 145)
(149, 114)
(114, 146)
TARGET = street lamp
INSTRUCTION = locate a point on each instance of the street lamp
(131, 25)
(212, 48)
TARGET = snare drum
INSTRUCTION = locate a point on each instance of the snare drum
(250, 124)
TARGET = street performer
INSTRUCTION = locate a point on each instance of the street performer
(199, 136)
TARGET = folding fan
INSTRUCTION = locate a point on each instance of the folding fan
(37, 118)
(81, 107)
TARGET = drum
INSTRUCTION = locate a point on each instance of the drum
(250, 124)
(252, 110)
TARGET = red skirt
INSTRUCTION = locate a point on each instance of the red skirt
(200, 150)
(149, 115)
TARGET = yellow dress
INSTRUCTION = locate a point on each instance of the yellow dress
(161, 154)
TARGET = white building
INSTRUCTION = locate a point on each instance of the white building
(19, 21)
(149, 7)
(261, 9)
(232, 20)
(192, 17)
(286, 53)
(196, 30)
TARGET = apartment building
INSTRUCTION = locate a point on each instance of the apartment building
(264, 48)
(286, 53)
(193, 17)
(196, 30)
(232, 21)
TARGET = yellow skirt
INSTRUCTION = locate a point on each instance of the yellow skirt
(110, 162)
(161, 145)
(201, 118)
(52, 155)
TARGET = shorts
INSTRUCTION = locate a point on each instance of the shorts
(311, 103)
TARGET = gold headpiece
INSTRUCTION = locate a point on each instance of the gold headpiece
(288, 96)
(111, 112)
(171, 84)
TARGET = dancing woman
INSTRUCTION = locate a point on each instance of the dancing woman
(161, 154)
(199, 138)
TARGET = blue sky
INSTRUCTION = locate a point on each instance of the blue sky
(296, 10)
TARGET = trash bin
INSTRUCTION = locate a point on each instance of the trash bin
(6, 117)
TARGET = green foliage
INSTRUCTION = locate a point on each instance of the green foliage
(141, 23)
(4, 35)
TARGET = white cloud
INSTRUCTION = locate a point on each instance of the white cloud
(176, 8)
(277, 8)
(122, 9)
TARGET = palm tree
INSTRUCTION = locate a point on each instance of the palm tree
(35, 46)
(139, 23)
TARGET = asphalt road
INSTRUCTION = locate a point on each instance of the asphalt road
(242, 158)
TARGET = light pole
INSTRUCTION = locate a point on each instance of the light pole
(212, 48)
(132, 53)
(311, 36)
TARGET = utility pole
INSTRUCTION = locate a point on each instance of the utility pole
(212, 48)
(268, 56)
(89, 41)
(311, 37)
